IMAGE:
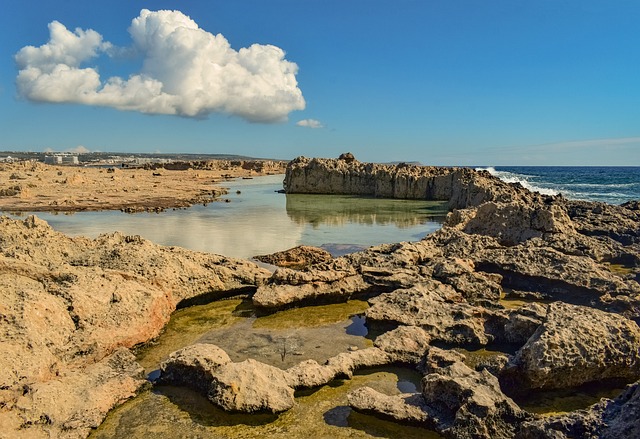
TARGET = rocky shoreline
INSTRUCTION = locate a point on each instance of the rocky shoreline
(574, 265)
(31, 186)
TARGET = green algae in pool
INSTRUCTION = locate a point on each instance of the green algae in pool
(232, 325)
(474, 358)
(311, 316)
(171, 412)
(186, 327)
(286, 338)
(620, 269)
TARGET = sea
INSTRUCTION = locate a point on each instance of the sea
(608, 184)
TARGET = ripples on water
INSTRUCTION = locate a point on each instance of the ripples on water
(609, 184)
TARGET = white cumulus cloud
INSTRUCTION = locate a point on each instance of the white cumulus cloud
(186, 71)
(310, 123)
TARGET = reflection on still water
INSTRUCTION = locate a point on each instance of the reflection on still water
(259, 220)
(338, 210)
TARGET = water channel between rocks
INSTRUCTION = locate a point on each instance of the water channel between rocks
(282, 340)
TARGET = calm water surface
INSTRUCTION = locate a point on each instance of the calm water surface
(258, 220)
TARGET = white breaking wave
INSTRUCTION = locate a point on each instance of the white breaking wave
(510, 177)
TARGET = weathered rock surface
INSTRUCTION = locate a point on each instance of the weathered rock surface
(193, 366)
(297, 257)
(405, 344)
(333, 281)
(462, 187)
(409, 407)
(251, 386)
(69, 304)
(456, 401)
(434, 308)
(575, 345)
(72, 403)
(513, 222)
(470, 404)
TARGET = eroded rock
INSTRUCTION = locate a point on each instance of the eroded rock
(297, 257)
(576, 345)
(334, 281)
(251, 386)
(70, 304)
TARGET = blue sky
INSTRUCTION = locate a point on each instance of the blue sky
(503, 82)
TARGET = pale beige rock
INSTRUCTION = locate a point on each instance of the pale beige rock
(576, 345)
(193, 366)
(409, 408)
(74, 402)
(69, 304)
(251, 386)
(405, 344)
(424, 305)
(333, 281)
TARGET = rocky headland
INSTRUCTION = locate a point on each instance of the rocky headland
(549, 285)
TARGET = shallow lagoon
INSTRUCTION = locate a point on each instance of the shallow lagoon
(259, 220)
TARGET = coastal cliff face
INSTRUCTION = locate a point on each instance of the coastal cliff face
(461, 187)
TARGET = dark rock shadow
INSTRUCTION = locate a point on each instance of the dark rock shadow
(203, 412)
(345, 416)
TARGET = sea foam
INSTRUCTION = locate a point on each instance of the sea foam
(523, 179)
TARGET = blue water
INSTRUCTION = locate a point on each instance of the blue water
(613, 185)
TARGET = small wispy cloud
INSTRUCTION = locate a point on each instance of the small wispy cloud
(310, 123)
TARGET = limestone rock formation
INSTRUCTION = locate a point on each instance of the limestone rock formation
(251, 386)
(470, 404)
(296, 258)
(462, 187)
(576, 345)
(430, 306)
(73, 402)
(193, 365)
(407, 408)
(405, 344)
(513, 222)
(69, 305)
(456, 401)
(323, 282)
